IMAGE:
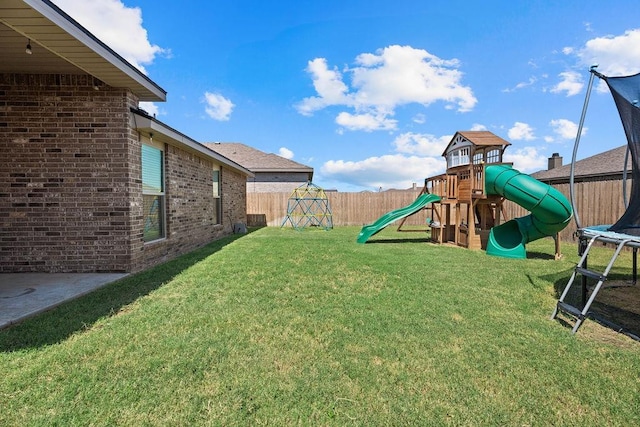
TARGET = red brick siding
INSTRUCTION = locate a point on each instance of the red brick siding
(234, 198)
(64, 175)
(189, 207)
(71, 182)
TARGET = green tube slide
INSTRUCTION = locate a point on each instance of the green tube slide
(550, 211)
(386, 219)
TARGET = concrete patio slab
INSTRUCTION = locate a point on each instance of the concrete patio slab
(23, 295)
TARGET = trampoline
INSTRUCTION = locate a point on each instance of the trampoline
(625, 232)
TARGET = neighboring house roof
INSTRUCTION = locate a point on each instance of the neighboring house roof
(478, 138)
(258, 161)
(161, 132)
(604, 164)
(60, 45)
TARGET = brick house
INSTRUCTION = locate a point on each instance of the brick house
(271, 173)
(608, 165)
(88, 181)
(599, 181)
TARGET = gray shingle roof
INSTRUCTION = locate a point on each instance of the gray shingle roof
(255, 160)
(604, 164)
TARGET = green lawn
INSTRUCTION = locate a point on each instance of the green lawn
(280, 327)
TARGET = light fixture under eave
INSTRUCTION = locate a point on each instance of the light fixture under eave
(28, 50)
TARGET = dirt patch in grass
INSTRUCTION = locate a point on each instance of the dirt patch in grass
(618, 306)
(614, 315)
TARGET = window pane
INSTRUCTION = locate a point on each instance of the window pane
(152, 193)
(493, 156)
(216, 196)
(153, 228)
(216, 210)
(216, 183)
(151, 170)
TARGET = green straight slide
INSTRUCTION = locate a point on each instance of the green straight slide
(550, 211)
(386, 219)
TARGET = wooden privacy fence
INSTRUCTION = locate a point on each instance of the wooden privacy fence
(347, 208)
(599, 201)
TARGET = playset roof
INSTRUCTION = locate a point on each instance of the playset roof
(479, 138)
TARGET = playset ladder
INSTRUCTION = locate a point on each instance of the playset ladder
(581, 270)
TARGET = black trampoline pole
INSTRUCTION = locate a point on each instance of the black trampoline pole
(592, 72)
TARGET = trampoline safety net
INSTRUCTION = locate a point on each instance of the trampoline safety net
(626, 94)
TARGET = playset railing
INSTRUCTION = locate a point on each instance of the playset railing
(459, 183)
(444, 185)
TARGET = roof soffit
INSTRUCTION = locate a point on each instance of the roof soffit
(162, 133)
(62, 46)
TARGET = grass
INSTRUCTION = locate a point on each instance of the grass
(281, 327)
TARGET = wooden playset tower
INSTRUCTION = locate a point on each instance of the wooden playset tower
(465, 213)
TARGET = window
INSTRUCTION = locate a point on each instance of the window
(153, 193)
(217, 205)
(493, 156)
(459, 157)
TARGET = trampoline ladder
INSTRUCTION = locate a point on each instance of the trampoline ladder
(573, 311)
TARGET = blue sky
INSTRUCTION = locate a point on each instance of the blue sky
(369, 93)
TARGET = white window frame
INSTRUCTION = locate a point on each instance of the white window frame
(493, 156)
(459, 157)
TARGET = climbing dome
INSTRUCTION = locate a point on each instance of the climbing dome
(308, 206)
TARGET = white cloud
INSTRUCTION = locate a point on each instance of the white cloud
(571, 83)
(532, 80)
(380, 82)
(616, 55)
(390, 171)
(419, 119)
(521, 131)
(118, 26)
(149, 107)
(565, 129)
(285, 152)
(526, 159)
(329, 86)
(218, 107)
(416, 157)
(478, 126)
(421, 144)
(398, 75)
(366, 122)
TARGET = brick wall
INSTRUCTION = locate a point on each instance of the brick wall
(64, 177)
(71, 187)
(234, 198)
(190, 206)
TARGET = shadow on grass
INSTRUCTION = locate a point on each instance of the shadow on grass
(414, 240)
(616, 318)
(615, 306)
(61, 322)
(540, 255)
